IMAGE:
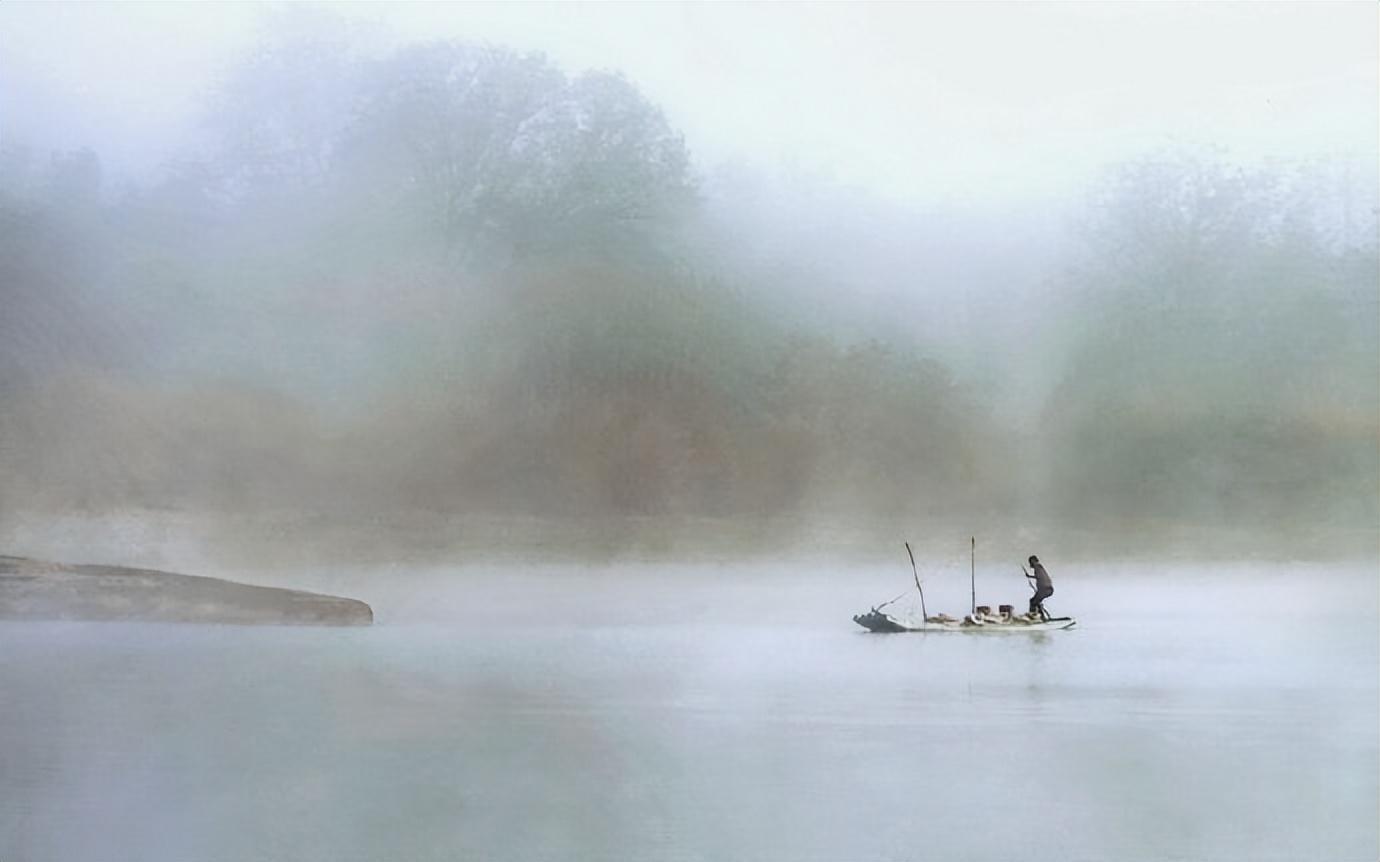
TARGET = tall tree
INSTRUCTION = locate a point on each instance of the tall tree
(491, 148)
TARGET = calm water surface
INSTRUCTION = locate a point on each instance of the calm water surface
(709, 714)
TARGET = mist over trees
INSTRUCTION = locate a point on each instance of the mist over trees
(1229, 367)
(454, 280)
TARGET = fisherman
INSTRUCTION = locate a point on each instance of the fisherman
(1044, 587)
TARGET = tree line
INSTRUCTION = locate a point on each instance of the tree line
(454, 279)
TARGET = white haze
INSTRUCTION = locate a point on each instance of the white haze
(1057, 268)
(924, 103)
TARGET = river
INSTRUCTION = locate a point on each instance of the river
(710, 713)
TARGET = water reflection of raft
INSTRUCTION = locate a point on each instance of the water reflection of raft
(984, 623)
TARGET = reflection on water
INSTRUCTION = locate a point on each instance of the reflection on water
(716, 714)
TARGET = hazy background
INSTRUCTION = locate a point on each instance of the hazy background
(417, 280)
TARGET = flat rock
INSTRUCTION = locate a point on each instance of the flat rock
(38, 590)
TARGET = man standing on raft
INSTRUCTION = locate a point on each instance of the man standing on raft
(1044, 587)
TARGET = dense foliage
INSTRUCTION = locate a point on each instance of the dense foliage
(456, 280)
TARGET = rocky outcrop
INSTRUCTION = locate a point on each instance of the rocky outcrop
(37, 590)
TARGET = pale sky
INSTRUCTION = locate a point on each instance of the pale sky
(919, 102)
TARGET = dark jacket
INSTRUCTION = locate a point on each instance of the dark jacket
(1042, 577)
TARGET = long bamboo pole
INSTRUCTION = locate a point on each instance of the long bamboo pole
(924, 614)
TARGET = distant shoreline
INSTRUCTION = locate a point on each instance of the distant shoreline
(231, 543)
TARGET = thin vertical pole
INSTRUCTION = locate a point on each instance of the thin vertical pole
(924, 614)
(972, 571)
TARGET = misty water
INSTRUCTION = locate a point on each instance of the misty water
(715, 712)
